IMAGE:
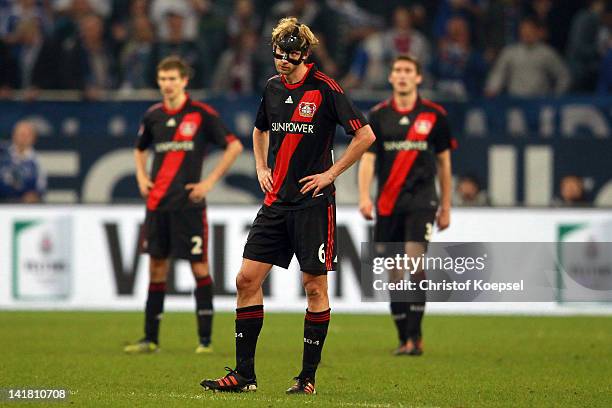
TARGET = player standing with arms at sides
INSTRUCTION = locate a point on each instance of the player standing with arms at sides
(293, 141)
(413, 145)
(178, 130)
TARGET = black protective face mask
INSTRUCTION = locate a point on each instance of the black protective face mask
(289, 44)
(285, 57)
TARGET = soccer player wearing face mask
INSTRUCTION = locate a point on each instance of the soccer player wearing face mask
(293, 140)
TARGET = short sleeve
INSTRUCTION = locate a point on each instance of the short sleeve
(441, 135)
(345, 113)
(261, 120)
(216, 132)
(145, 137)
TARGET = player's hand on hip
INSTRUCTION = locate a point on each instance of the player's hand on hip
(366, 207)
(316, 182)
(443, 219)
(144, 185)
(198, 190)
(264, 175)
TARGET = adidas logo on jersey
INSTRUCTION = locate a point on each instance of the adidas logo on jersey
(289, 100)
(171, 122)
(404, 120)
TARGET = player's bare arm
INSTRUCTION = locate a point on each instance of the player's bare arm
(364, 137)
(261, 140)
(445, 179)
(144, 182)
(365, 177)
(201, 189)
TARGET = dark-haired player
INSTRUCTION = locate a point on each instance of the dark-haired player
(177, 131)
(413, 146)
(293, 141)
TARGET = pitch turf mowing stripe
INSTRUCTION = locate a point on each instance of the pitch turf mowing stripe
(469, 361)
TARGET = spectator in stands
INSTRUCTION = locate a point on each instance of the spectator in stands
(89, 66)
(101, 8)
(571, 191)
(212, 38)
(469, 193)
(238, 67)
(555, 17)
(459, 70)
(21, 176)
(583, 55)
(604, 86)
(529, 68)
(68, 14)
(36, 58)
(178, 44)
(471, 10)
(122, 20)
(190, 10)
(243, 17)
(352, 24)
(137, 58)
(13, 12)
(8, 71)
(370, 67)
(500, 26)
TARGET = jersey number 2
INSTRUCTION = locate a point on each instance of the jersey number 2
(197, 245)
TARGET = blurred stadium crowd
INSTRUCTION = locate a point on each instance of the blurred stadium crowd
(470, 48)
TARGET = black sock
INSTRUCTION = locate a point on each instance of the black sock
(399, 312)
(249, 321)
(414, 318)
(154, 310)
(204, 308)
(315, 331)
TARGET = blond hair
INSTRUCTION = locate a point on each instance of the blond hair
(286, 26)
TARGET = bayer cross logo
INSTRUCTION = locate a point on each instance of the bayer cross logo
(188, 129)
(307, 109)
(423, 127)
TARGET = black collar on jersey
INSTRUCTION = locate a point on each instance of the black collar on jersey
(291, 43)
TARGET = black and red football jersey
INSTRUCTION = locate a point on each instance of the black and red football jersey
(407, 142)
(302, 119)
(179, 139)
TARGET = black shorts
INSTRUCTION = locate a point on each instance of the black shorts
(413, 226)
(309, 233)
(176, 234)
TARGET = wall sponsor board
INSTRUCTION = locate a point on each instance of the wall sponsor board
(42, 258)
(91, 254)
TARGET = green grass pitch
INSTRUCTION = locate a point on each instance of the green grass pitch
(469, 361)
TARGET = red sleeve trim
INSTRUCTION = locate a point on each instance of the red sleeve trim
(207, 108)
(230, 138)
(329, 81)
(431, 104)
